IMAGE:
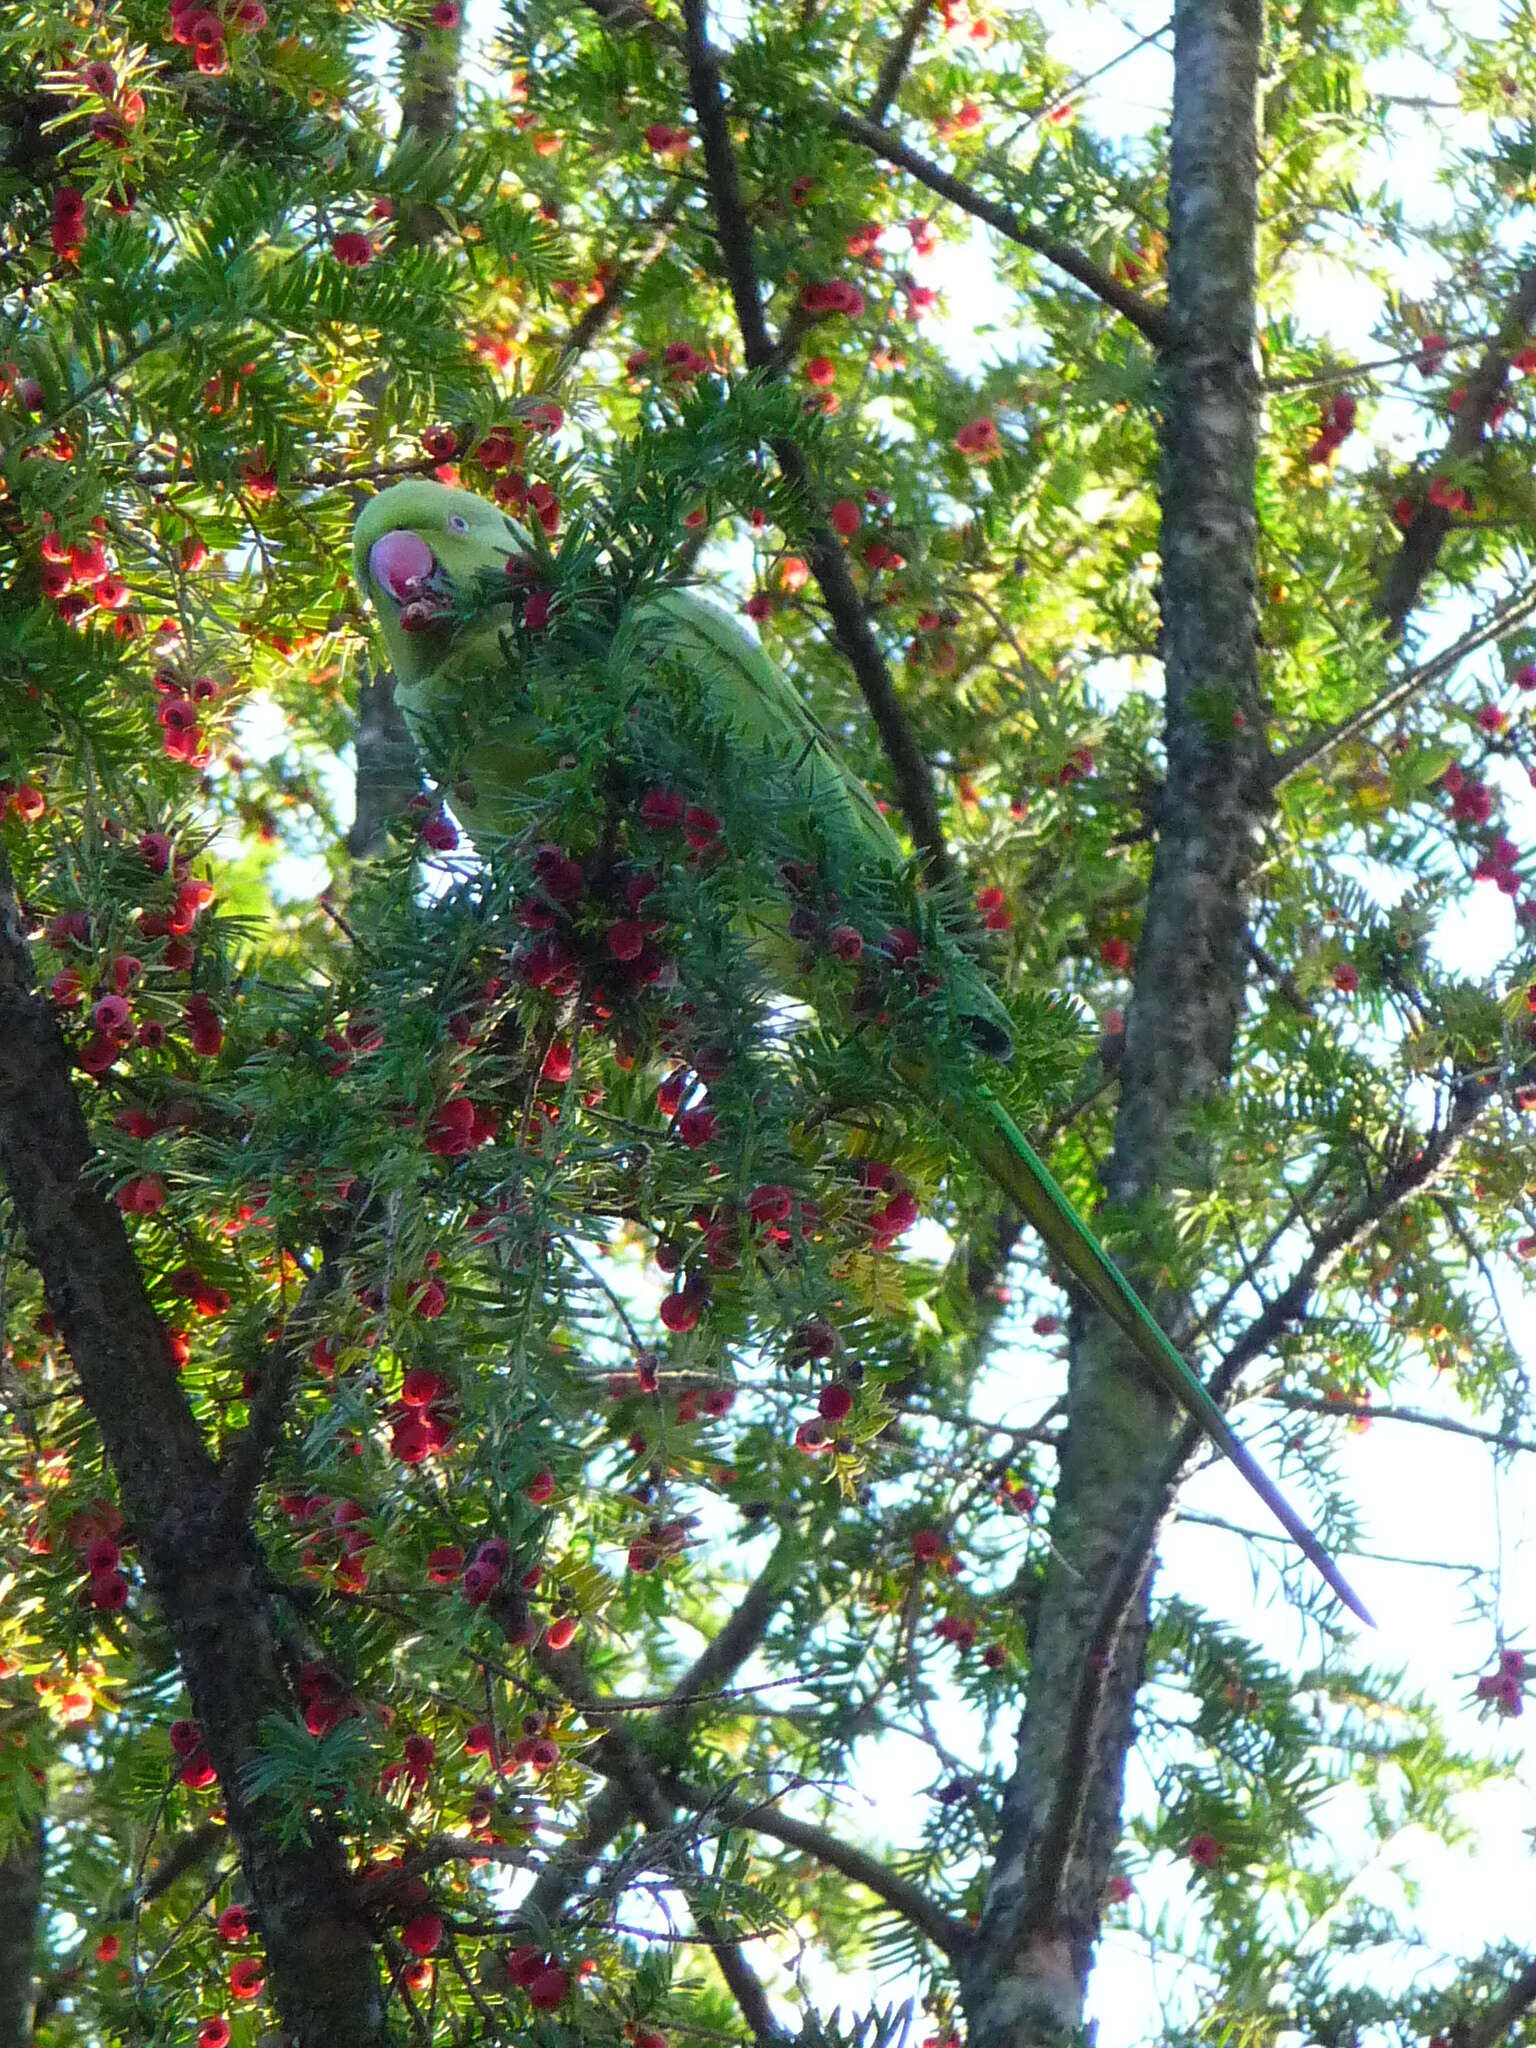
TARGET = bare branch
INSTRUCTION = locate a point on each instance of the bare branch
(914, 783)
(1372, 1411)
(718, 1661)
(897, 59)
(1148, 320)
(1500, 619)
(909, 1900)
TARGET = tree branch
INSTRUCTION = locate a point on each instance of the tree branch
(1121, 1452)
(909, 1900)
(619, 1754)
(1335, 1240)
(897, 59)
(868, 131)
(21, 1898)
(1495, 2020)
(1425, 535)
(1369, 1411)
(1149, 321)
(203, 1564)
(909, 770)
(1510, 612)
(720, 1659)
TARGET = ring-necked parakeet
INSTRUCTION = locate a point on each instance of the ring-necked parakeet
(434, 561)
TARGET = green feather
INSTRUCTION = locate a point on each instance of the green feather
(997, 1144)
(458, 673)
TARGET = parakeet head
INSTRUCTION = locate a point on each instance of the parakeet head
(417, 551)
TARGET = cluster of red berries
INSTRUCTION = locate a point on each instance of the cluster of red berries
(1499, 857)
(413, 1770)
(78, 577)
(546, 1981)
(579, 932)
(113, 1027)
(670, 144)
(965, 120)
(1504, 1688)
(337, 1537)
(656, 1544)
(832, 296)
(122, 110)
(68, 229)
(195, 1769)
(534, 1749)
(1334, 428)
(183, 700)
(979, 440)
(324, 1701)
(96, 1537)
(205, 30)
(423, 1421)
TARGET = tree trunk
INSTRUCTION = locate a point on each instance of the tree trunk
(199, 1554)
(1062, 1816)
(21, 1896)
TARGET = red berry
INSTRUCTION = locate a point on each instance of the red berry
(548, 1989)
(247, 1978)
(422, 1934)
(352, 249)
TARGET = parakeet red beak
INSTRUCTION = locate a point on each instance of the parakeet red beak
(400, 563)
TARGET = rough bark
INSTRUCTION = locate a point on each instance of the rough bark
(21, 1896)
(1026, 1980)
(199, 1555)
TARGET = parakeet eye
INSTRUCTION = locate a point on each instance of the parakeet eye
(457, 523)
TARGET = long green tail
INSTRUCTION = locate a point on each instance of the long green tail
(995, 1141)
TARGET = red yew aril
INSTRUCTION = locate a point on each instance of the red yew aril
(548, 1989)
(422, 1934)
(444, 1564)
(352, 248)
(680, 1312)
(205, 1029)
(247, 1978)
(234, 1924)
(979, 439)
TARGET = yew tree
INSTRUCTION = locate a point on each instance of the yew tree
(534, 1503)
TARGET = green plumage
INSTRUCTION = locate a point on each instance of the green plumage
(443, 635)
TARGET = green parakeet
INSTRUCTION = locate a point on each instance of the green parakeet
(445, 571)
